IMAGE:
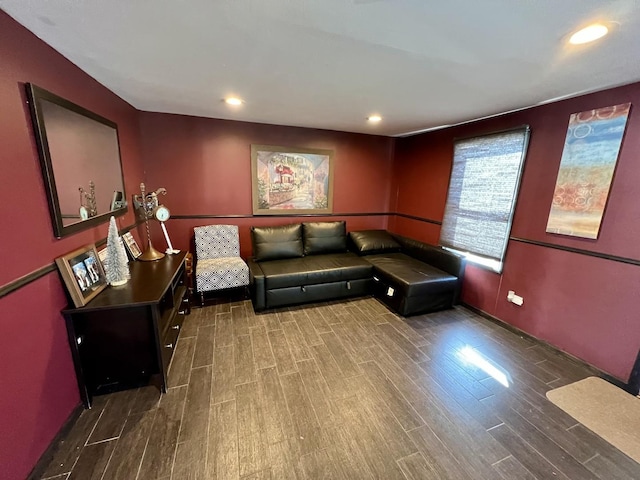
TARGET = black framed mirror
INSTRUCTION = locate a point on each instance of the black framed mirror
(80, 158)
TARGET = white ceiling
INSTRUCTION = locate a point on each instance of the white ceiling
(330, 63)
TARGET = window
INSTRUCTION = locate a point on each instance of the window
(482, 195)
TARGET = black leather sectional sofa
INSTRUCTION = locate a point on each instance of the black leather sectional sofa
(302, 263)
(317, 261)
(410, 277)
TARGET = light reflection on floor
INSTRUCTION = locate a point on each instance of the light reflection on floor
(470, 355)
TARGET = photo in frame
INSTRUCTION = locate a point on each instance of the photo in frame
(289, 180)
(131, 245)
(82, 273)
(587, 165)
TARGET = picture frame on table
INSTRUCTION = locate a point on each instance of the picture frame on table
(83, 274)
(132, 247)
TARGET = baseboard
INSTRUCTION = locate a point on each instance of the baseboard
(47, 456)
(517, 331)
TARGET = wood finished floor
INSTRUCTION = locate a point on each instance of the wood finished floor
(345, 390)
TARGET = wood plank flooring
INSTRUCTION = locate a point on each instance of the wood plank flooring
(343, 390)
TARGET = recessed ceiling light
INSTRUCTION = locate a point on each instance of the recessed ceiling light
(233, 101)
(374, 118)
(589, 34)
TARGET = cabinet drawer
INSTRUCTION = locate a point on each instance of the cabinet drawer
(185, 304)
(170, 338)
(168, 345)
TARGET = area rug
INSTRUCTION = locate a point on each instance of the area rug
(604, 409)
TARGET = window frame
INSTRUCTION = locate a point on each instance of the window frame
(473, 257)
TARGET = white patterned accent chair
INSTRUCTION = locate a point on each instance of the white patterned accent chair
(218, 262)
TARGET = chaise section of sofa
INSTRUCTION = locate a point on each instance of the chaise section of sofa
(410, 277)
(301, 263)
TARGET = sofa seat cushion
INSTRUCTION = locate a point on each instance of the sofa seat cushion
(315, 269)
(409, 276)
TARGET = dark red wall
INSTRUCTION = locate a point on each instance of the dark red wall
(205, 165)
(38, 388)
(584, 305)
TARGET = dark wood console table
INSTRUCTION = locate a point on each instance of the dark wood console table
(126, 336)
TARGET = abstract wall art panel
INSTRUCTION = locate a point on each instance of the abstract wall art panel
(587, 165)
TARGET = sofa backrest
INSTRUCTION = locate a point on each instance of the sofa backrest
(297, 240)
(369, 242)
(324, 237)
(274, 243)
(433, 255)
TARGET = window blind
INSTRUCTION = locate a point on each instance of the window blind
(482, 193)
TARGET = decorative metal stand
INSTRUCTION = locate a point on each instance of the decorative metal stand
(146, 203)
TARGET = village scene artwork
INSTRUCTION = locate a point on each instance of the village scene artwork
(291, 180)
(586, 171)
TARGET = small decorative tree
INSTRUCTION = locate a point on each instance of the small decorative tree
(116, 265)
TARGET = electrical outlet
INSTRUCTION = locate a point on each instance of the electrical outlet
(515, 299)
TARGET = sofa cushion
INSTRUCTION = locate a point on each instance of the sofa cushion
(273, 243)
(368, 242)
(409, 276)
(315, 269)
(324, 237)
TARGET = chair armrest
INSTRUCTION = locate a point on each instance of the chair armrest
(257, 285)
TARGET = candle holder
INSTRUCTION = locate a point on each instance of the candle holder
(146, 203)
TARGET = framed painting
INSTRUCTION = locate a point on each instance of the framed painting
(588, 162)
(83, 274)
(291, 181)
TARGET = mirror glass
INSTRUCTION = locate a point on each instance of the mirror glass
(80, 159)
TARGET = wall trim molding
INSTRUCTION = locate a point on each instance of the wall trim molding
(419, 219)
(25, 280)
(361, 214)
(580, 251)
(358, 214)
